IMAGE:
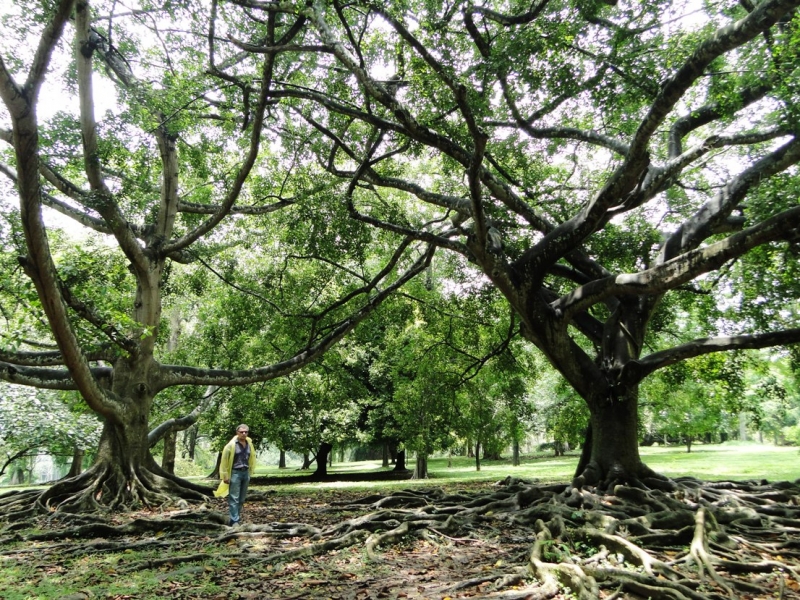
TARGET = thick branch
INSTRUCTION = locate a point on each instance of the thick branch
(244, 171)
(766, 15)
(680, 269)
(208, 209)
(50, 379)
(712, 214)
(39, 263)
(569, 234)
(181, 423)
(84, 49)
(635, 371)
(44, 51)
(707, 114)
(52, 358)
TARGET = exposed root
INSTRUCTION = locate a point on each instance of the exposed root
(98, 490)
(698, 542)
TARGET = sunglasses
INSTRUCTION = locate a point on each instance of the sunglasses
(242, 432)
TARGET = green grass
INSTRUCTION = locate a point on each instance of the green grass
(731, 461)
(735, 461)
(96, 576)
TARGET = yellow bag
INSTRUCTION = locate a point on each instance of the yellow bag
(222, 490)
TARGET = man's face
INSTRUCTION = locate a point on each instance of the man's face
(241, 434)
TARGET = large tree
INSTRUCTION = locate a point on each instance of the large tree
(599, 163)
(169, 176)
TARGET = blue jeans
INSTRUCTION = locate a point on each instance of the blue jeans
(237, 493)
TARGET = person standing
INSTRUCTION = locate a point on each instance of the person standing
(237, 463)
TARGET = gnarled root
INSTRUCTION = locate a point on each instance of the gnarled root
(698, 542)
(104, 487)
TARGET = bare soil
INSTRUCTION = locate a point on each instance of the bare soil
(511, 540)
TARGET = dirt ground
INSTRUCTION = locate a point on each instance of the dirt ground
(510, 541)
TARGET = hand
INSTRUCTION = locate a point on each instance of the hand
(226, 480)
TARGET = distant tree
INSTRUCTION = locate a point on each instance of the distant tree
(696, 399)
(34, 422)
(559, 413)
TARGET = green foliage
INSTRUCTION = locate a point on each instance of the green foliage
(40, 421)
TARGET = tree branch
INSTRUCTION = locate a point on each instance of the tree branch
(179, 375)
(713, 213)
(681, 269)
(244, 170)
(635, 371)
(39, 263)
(625, 178)
(44, 52)
(181, 423)
(46, 359)
(50, 379)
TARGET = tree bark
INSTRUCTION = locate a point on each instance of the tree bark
(322, 459)
(282, 459)
(168, 460)
(477, 456)
(421, 467)
(611, 453)
(400, 461)
(515, 453)
(190, 441)
(76, 468)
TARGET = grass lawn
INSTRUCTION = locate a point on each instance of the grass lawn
(734, 461)
(731, 461)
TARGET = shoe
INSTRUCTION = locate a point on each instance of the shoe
(233, 523)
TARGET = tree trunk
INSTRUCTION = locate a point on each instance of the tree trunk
(400, 461)
(124, 475)
(322, 459)
(385, 457)
(421, 467)
(742, 427)
(76, 468)
(688, 443)
(477, 456)
(611, 453)
(190, 442)
(168, 460)
(515, 453)
(17, 476)
(282, 459)
(306, 462)
(215, 473)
